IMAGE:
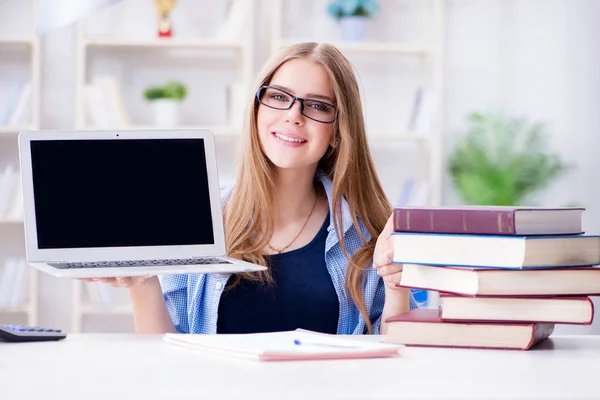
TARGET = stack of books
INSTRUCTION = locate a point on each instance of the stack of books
(506, 275)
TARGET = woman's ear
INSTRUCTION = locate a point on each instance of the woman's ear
(334, 141)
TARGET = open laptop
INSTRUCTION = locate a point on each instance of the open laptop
(123, 203)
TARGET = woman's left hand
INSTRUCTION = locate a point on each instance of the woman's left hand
(382, 257)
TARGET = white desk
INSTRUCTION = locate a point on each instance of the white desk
(89, 366)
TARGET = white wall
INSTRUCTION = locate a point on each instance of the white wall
(539, 58)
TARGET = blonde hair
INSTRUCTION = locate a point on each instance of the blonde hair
(247, 212)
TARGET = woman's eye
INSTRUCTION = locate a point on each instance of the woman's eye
(319, 107)
(279, 97)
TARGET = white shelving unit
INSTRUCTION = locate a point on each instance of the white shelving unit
(119, 47)
(242, 47)
(428, 53)
(12, 240)
(82, 308)
(30, 44)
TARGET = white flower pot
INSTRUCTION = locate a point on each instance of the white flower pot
(166, 113)
(353, 28)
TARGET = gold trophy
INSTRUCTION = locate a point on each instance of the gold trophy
(164, 7)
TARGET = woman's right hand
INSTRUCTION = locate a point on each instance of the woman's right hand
(121, 281)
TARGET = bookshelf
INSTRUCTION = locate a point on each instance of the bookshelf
(415, 51)
(19, 110)
(94, 302)
(120, 54)
(121, 42)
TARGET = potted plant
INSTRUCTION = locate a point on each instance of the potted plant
(352, 16)
(502, 161)
(165, 101)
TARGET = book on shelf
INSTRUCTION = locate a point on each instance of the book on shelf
(423, 110)
(13, 282)
(552, 309)
(492, 220)
(11, 194)
(17, 108)
(232, 28)
(424, 327)
(283, 346)
(572, 281)
(414, 192)
(105, 104)
(98, 297)
(509, 252)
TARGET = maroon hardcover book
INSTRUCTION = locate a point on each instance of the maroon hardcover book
(493, 220)
(425, 328)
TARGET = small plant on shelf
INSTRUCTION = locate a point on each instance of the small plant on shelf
(172, 90)
(165, 101)
(352, 8)
(352, 16)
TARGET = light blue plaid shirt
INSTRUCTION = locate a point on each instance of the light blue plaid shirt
(193, 300)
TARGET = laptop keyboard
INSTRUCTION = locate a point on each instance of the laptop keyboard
(140, 263)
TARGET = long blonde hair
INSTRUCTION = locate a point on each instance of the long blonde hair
(248, 211)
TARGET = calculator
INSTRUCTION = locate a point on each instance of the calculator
(27, 333)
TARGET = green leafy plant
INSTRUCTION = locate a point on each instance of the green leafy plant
(356, 8)
(172, 90)
(502, 161)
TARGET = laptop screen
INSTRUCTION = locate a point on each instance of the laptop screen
(121, 193)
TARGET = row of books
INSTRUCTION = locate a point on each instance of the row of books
(506, 275)
(16, 108)
(106, 104)
(97, 294)
(11, 194)
(13, 283)
(100, 296)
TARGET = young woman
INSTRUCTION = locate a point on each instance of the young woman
(307, 203)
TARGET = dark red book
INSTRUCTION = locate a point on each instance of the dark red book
(493, 220)
(551, 310)
(424, 327)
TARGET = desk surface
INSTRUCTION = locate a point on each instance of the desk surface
(95, 366)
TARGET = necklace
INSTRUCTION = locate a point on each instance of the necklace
(296, 237)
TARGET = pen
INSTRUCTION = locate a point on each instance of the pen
(308, 342)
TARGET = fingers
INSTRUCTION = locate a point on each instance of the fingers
(390, 269)
(120, 282)
(391, 273)
(383, 256)
(389, 225)
(384, 248)
(393, 278)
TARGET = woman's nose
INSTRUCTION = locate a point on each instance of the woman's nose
(294, 114)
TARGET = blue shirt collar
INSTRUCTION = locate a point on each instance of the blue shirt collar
(328, 186)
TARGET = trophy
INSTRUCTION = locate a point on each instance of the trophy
(164, 8)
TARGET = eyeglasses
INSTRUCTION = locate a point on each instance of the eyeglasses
(281, 100)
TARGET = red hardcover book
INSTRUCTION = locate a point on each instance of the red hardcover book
(494, 220)
(424, 327)
(551, 310)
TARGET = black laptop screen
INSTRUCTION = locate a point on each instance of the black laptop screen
(121, 193)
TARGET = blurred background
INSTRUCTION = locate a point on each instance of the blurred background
(514, 81)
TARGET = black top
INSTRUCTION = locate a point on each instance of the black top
(303, 295)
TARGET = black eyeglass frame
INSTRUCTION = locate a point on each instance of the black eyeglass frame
(298, 99)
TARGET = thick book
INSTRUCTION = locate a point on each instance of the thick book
(503, 283)
(494, 220)
(284, 346)
(554, 310)
(424, 327)
(516, 252)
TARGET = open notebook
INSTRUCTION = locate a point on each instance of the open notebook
(284, 346)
